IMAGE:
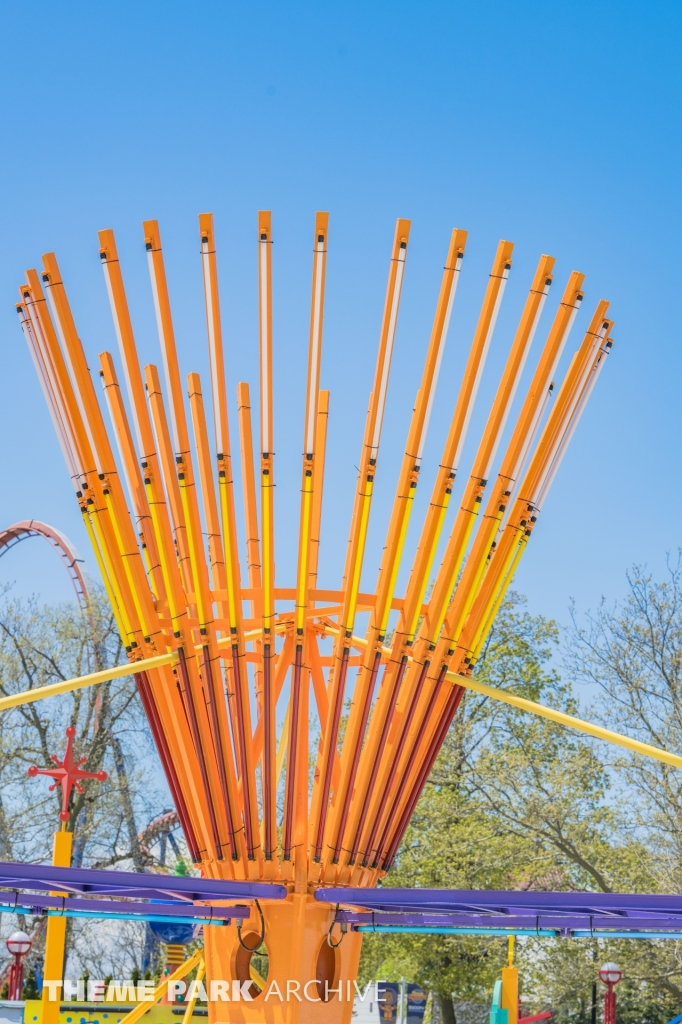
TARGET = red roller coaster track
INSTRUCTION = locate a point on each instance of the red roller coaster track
(34, 528)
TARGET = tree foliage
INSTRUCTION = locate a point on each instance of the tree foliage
(513, 802)
(40, 645)
(517, 802)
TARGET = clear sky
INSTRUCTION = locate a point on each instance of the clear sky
(556, 126)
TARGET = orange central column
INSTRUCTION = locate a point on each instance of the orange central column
(308, 980)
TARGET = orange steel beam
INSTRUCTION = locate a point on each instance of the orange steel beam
(253, 563)
(448, 467)
(110, 554)
(428, 685)
(383, 776)
(132, 474)
(227, 505)
(46, 339)
(160, 512)
(164, 325)
(560, 426)
(316, 512)
(282, 664)
(497, 504)
(358, 531)
(206, 735)
(168, 478)
(459, 537)
(298, 724)
(578, 384)
(208, 492)
(395, 543)
(355, 730)
(267, 491)
(211, 664)
(51, 397)
(44, 336)
(177, 442)
(503, 563)
(116, 528)
(249, 484)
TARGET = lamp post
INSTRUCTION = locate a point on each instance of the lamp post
(19, 943)
(610, 974)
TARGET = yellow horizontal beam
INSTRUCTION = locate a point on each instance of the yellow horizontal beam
(645, 749)
(54, 689)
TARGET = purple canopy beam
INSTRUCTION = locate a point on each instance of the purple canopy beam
(514, 921)
(617, 907)
(133, 884)
(32, 903)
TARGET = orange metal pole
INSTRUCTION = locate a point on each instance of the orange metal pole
(570, 403)
(359, 716)
(384, 775)
(504, 556)
(117, 532)
(133, 476)
(298, 725)
(169, 477)
(249, 484)
(372, 748)
(431, 625)
(359, 523)
(211, 665)
(267, 525)
(227, 505)
(316, 514)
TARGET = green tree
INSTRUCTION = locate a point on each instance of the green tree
(42, 644)
(515, 802)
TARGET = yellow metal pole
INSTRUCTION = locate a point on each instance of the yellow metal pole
(569, 721)
(160, 990)
(191, 1003)
(55, 939)
(68, 685)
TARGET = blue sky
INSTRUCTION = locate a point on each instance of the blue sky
(555, 126)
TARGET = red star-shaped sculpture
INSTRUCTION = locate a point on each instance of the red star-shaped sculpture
(67, 774)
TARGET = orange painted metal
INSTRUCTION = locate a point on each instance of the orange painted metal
(258, 666)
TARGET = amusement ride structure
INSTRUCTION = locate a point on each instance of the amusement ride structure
(233, 667)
